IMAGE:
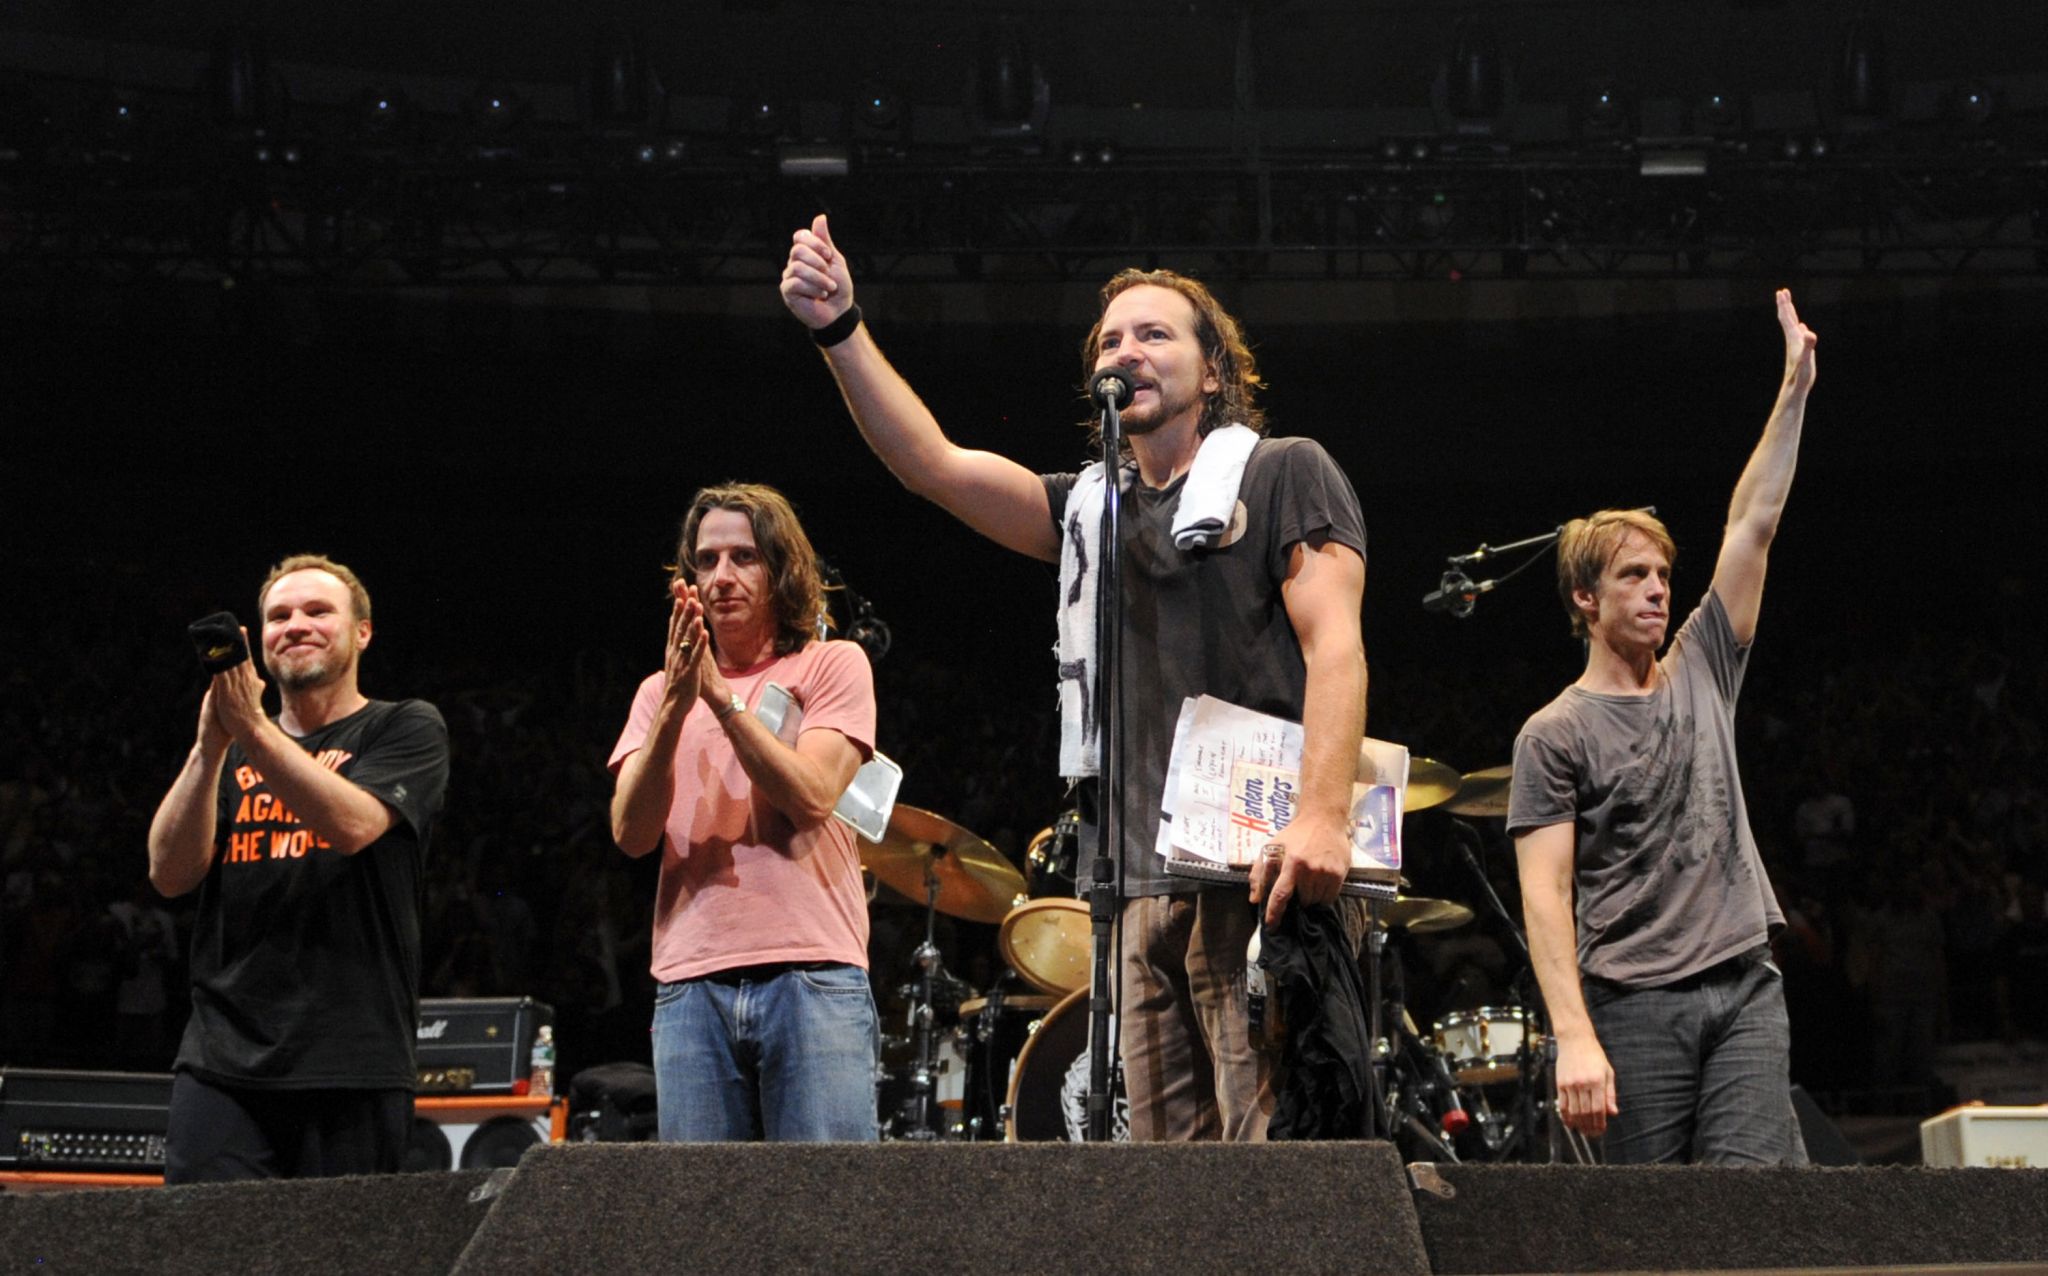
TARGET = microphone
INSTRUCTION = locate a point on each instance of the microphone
(1456, 593)
(1454, 1119)
(1111, 388)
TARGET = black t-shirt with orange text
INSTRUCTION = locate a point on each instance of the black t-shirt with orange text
(306, 962)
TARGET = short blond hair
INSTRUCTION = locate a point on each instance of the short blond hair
(1587, 545)
(358, 597)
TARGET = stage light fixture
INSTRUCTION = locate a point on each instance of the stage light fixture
(760, 116)
(1682, 162)
(1973, 103)
(1476, 78)
(877, 107)
(119, 124)
(1008, 95)
(1718, 113)
(1605, 111)
(494, 109)
(813, 161)
(384, 113)
(1861, 88)
(239, 86)
(619, 89)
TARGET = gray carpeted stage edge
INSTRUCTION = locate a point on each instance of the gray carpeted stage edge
(1528, 1218)
(397, 1225)
(1036, 1208)
(899, 1207)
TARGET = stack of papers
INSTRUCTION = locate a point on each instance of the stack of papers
(1234, 781)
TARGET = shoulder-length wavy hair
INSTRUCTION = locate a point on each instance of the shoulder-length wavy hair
(1223, 346)
(794, 583)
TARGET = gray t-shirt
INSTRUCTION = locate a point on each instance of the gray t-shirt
(1211, 621)
(1668, 878)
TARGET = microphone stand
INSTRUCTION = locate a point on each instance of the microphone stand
(1110, 389)
(1458, 593)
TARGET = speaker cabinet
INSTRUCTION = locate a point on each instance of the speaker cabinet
(475, 1132)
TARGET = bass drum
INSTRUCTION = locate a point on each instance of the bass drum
(1049, 1091)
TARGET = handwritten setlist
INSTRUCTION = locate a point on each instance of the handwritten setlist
(1235, 780)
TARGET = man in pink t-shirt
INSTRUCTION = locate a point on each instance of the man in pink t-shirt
(764, 1026)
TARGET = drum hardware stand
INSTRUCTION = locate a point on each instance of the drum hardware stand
(918, 1107)
(1406, 1090)
(1379, 1118)
(1414, 1097)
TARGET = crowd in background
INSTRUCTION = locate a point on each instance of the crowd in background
(1896, 794)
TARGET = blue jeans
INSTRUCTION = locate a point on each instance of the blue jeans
(1702, 1067)
(786, 1055)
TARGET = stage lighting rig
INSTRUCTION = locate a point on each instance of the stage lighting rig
(1862, 89)
(1008, 96)
(1476, 82)
(1719, 113)
(620, 91)
(1605, 113)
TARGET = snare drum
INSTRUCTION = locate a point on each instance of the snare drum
(1483, 1046)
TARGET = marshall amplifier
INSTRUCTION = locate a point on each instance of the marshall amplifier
(479, 1045)
(90, 1122)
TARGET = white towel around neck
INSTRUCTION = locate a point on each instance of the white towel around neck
(1208, 501)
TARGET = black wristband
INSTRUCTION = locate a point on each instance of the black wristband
(838, 330)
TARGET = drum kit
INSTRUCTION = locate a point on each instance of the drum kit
(1011, 1063)
(991, 1065)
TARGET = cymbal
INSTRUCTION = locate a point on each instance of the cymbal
(1419, 915)
(1430, 783)
(1483, 793)
(975, 881)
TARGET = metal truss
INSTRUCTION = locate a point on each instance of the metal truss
(369, 218)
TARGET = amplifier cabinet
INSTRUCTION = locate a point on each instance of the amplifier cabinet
(478, 1045)
(97, 1122)
(2013, 1138)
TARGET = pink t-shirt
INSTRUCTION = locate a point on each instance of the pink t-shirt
(740, 884)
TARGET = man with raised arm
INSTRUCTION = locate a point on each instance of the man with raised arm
(1243, 578)
(305, 836)
(764, 1025)
(1669, 1015)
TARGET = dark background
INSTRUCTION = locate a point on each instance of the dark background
(508, 474)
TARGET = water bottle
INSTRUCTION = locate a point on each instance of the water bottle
(540, 1076)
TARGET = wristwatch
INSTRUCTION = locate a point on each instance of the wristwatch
(732, 705)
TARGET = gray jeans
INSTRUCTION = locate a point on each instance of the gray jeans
(1701, 1067)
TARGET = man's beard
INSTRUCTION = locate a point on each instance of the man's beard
(1155, 415)
(306, 676)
